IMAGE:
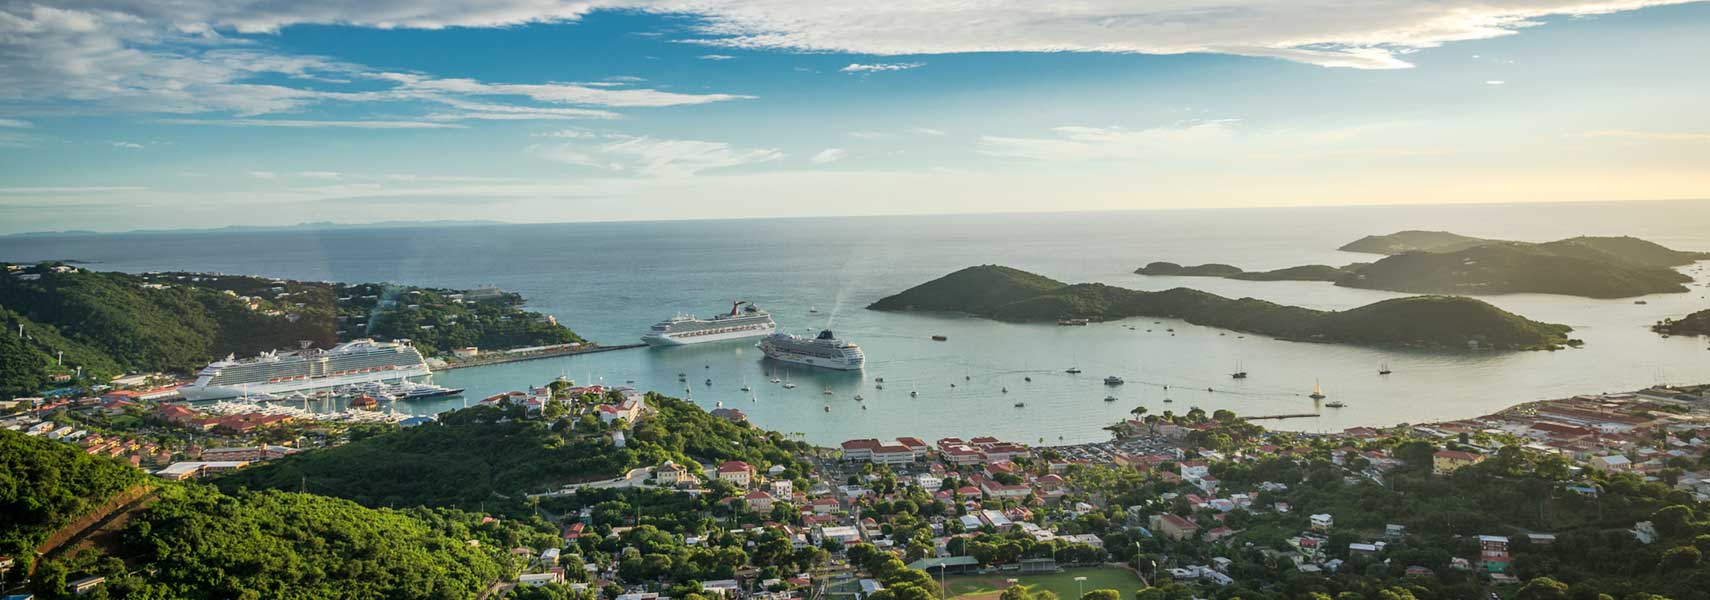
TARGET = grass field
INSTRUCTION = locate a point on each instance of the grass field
(988, 587)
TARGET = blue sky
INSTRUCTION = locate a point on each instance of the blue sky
(117, 114)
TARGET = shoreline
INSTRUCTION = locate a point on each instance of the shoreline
(499, 359)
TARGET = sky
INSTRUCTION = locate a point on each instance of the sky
(148, 114)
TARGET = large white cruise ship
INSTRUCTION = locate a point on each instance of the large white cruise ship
(823, 351)
(274, 373)
(743, 321)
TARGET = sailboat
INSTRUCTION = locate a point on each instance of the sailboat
(1383, 369)
(1317, 391)
(1239, 373)
(912, 392)
(787, 384)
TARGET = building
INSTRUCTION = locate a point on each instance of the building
(759, 501)
(671, 473)
(1174, 527)
(1611, 464)
(85, 585)
(1445, 462)
(1493, 553)
(736, 472)
(1323, 522)
(181, 471)
(539, 579)
(860, 450)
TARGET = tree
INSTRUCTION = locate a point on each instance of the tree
(1016, 592)
(1680, 558)
(1673, 521)
(1543, 588)
(1104, 594)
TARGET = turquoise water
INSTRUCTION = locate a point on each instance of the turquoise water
(611, 281)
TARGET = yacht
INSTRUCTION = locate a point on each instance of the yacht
(1383, 369)
(1073, 370)
(743, 321)
(1335, 404)
(824, 350)
(1113, 380)
(1110, 398)
(1317, 392)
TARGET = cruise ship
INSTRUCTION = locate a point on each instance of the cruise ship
(281, 372)
(743, 321)
(823, 351)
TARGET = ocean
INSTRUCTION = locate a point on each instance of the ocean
(611, 281)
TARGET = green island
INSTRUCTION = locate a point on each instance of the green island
(109, 323)
(1448, 322)
(1697, 323)
(1445, 263)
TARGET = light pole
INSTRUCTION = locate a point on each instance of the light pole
(1080, 585)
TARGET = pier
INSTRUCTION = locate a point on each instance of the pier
(1282, 416)
(502, 357)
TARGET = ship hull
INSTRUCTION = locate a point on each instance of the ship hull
(840, 364)
(665, 340)
(196, 393)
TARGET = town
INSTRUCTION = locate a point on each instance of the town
(1189, 505)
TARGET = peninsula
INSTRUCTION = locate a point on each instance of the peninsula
(1697, 323)
(1446, 263)
(1444, 322)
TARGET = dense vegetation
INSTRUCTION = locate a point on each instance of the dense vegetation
(199, 543)
(493, 454)
(112, 323)
(1445, 263)
(1426, 321)
(46, 485)
(1300, 273)
(1697, 323)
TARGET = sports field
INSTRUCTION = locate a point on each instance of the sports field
(988, 587)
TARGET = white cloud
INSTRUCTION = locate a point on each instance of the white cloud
(877, 67)
(88, 189)
(829, 155)
(654, 157)
(1096, 143)
(871, 135)
(320, 174)
(573, 134)
(14, 123)
(311, 123)
(716, 57)
(1654, 136)
(127, 145)
(264, 175)
(1494, 82)
(927, 131)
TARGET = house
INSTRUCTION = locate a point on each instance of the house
(1493, 553)
(1322, 522)
(736, 472)
(759, 501)
(842, 534)
(539, 579)
(1613, 463)
(891, 454)
(860, 450)
(1174, 527)
(671, 473)
(1194, 469)
(549, 557)
(85, 585)
(1445, 462)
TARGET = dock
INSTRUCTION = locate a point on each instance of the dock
(501, 358)
(1281, 417)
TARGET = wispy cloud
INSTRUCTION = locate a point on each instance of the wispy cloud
(88, 189)
(716, 57)
(320, 174)
(127, 145)
(927, 131)
(1094, 143)
(1652, 136)
(829, 155)
(879, 67)
(653, 157)
(269, 175)
(871, 135)
(311, 123)
(1494, 82)
(14, 123)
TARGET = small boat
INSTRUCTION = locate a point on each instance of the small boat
(745, 388)
(1072, 322)
(681, 376)
(1073, 370)
(1317, 392)
(858, 398)
(939, 338)
(1005, 390)
(1113, 380)
(789, 386)
(1168, 400)
(827, 391)
(1239, 373)
(776, 380)
(967, 378)
(913, 393)
(709, 382)
(1383, 369)
(952, 385)
(1335, 404)
(1020, 404)
(1110, 398)
(863, 407)
(878, 386)
(828, 408)
(1640, 302)
(812, 309)
(1028, 378)
(879, 379)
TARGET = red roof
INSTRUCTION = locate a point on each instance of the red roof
(868, 443)
(734, 466)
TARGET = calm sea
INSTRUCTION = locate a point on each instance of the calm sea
(610, 281)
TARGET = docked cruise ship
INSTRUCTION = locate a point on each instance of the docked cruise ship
(743, 321)
(823, 351)
(281, 372)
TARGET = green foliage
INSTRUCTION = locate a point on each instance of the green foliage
(45, 485)
(1567, 267)
(1102, 595)
(1402, 242)
(1697, 323)
(199, 543)
(491, 454)
(1427, 321)
(1300, 273)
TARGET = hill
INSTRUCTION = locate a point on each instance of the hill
(1697, 323)
(113, 323)
(1507, 267)
(46, 485)
(1300, 273)
(1427, 321)
(488, 453)
(1402, 242)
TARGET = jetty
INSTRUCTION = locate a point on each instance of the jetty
(522, 354)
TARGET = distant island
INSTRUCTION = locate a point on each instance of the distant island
(1442, 322)
(306, 226)
(60, 318)
(1438, 262)
(1697, 323)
